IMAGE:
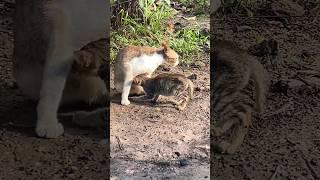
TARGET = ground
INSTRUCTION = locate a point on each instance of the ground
(79, 154)
(158, 141)
(284, 142)
(150, 140)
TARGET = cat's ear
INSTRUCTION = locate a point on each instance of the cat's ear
(165, 46)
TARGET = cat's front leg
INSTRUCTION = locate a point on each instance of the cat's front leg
(126, 89)
(53, 82)
(56, 70)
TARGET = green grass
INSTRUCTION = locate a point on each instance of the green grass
(151, 30)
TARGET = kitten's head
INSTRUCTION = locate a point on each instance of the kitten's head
(171, 57)
(140, 79)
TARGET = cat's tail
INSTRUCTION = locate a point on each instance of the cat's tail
(261, 83)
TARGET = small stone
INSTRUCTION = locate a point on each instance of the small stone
(184, 162)
(177, 153)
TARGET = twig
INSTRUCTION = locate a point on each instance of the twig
(119, 143)
(273, 177)
(313, 172)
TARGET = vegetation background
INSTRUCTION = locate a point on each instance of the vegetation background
(150, 22)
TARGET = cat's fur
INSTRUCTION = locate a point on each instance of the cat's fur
(84, 82)
(232, 69)
(167, 84)
(133, 61)
(46, 33)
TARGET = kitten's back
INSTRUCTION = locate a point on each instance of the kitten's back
(169, 84)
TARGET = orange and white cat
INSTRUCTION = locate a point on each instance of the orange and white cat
(46, 34)
(133, 61)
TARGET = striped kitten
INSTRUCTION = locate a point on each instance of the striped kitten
(85, 82)
(167, 84)
(232, 103)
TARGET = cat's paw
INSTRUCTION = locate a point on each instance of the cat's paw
(49, 129)
(125, 102)
(225, 147)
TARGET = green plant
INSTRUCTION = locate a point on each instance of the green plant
(151, 30)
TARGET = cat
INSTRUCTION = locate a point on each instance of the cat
(167, 84)
(46, 34)
(133, 60)
(232, 68)
(85, 82)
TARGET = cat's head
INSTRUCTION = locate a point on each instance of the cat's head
(171, 57)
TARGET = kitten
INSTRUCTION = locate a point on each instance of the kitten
(167, 84)
(133, 60)
(45, 35)
(232, 69)
(85, 83)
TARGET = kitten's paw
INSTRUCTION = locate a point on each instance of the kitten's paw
(49, 129)
(125, 102)
(224, 148)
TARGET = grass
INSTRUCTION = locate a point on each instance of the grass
(151, 30)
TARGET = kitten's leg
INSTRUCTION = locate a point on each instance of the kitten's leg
(126, 87)
(237, 136)
(155, 99)
(178, 104)
(183, 104)
(223, 125)
(56, 69)
(144, 98)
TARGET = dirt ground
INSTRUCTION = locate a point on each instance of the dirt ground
(151, 141)
(79, 154)
(284, 143)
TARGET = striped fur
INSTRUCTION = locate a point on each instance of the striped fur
(232, 99)
(167, 84)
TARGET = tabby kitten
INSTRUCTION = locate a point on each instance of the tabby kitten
(133, 61)
(85, 82)
(167, 84)
(232, 104)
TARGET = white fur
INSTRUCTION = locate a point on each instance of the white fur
(146, 64)
(139, 65)
(76, 23)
